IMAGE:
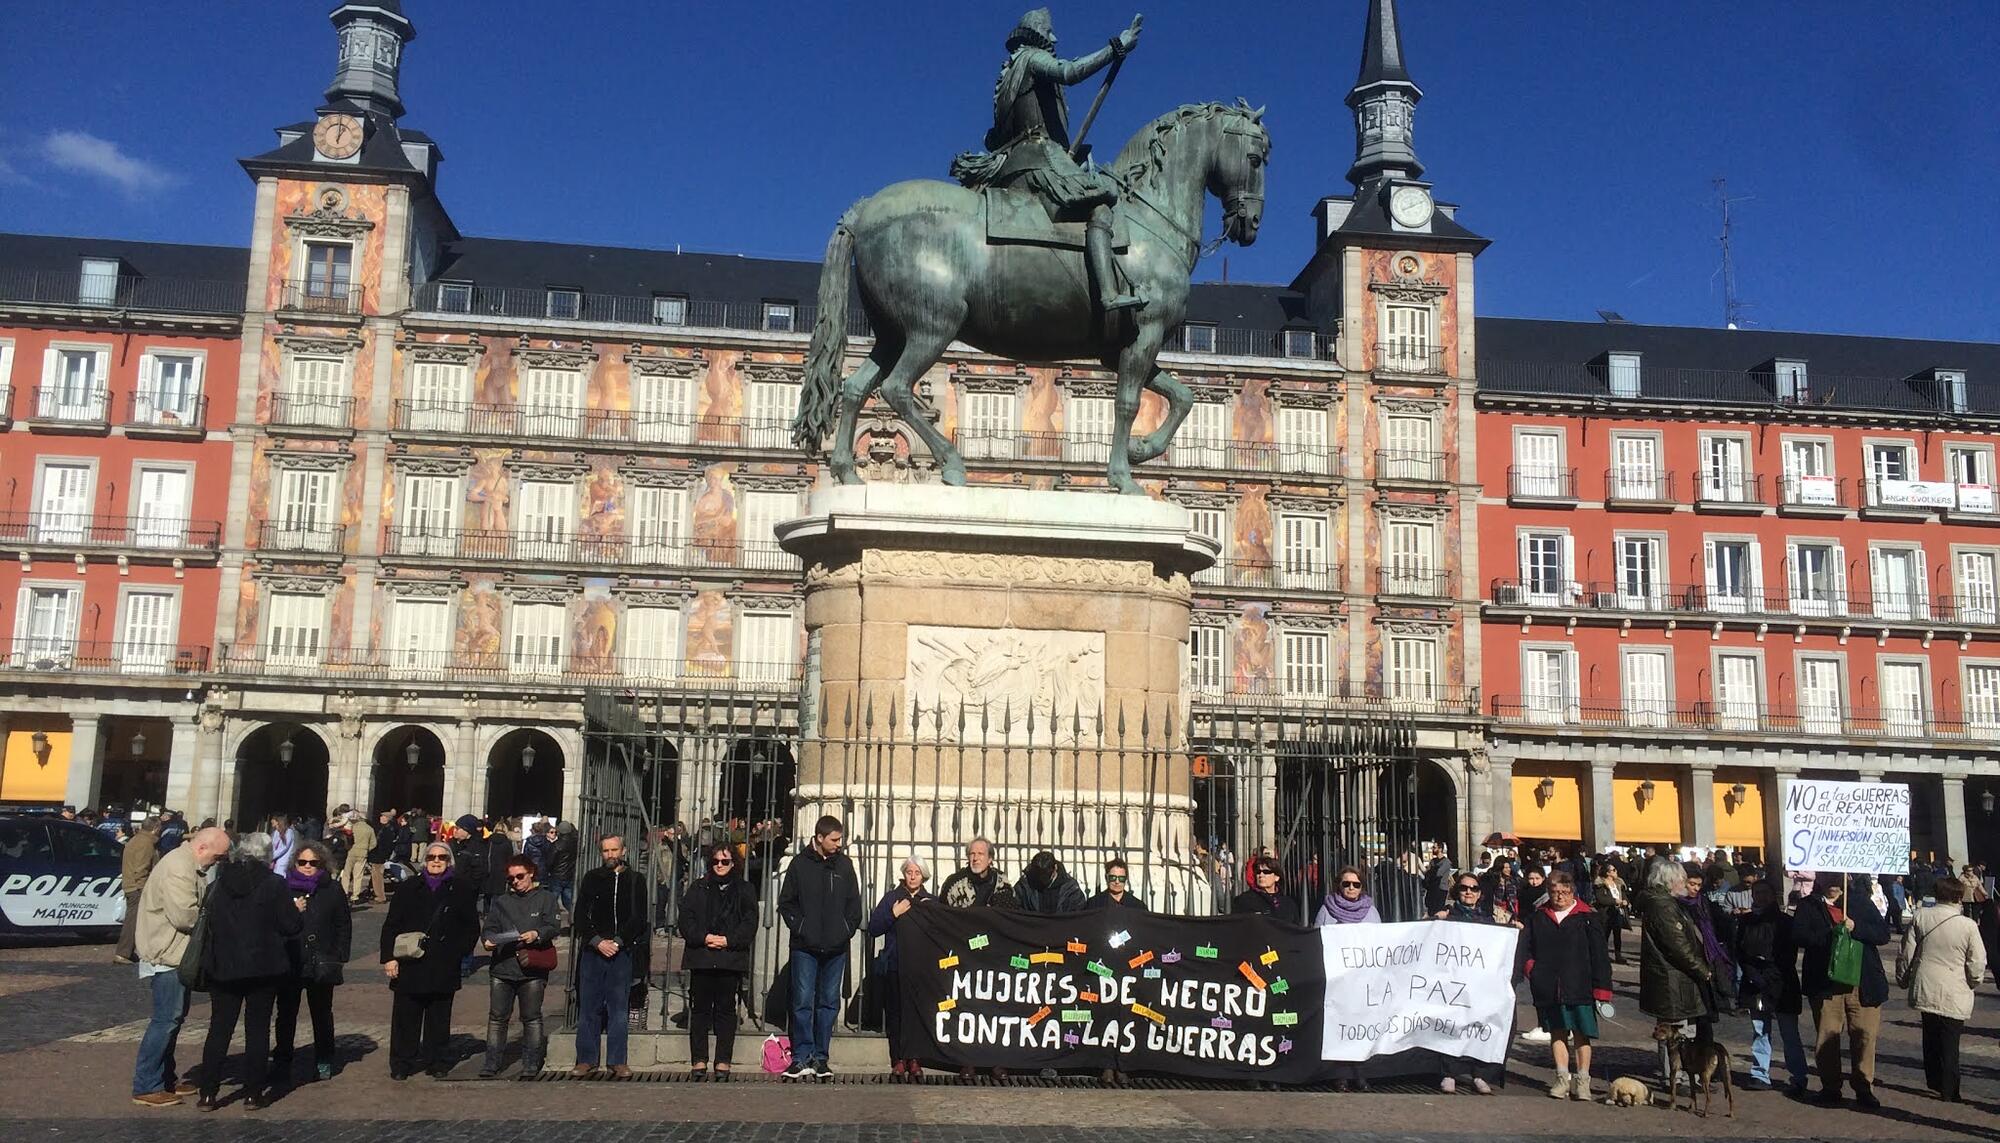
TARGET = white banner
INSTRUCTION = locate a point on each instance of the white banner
(1918, 493)
(1975, 498)
(1846, 827)
(1440, 985)
(1823, 490)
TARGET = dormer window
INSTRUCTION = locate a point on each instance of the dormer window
(780, 317)
(565, 304)
(670, 309)
(1622, 373)
(97, 282)
(1952, 390)
(454, 297)
(1790, 380)
(1299, 343)
(1198, 337)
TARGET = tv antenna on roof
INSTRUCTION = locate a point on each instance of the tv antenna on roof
(1732, 306)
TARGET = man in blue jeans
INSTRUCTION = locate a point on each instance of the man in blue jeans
(612, 931)
(821, 905)
(167, 910)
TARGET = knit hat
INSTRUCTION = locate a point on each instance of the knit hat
(468, 823)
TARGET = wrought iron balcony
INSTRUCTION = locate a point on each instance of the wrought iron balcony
(1729, 491)
(1412, 467)
(1402, 355)
(1424, 581)
(311, 411)
(408, 541)
(314, 296)
(1806, 494)
(1279, 687)
(1095, 449)
(69, 405)
(121, 292)
(1819, 602)
(1663, 384)
(1624, 487)
(1547, 484)
(1280, 575)
(456, 418)
(566, 670)
(117, 657)
(1830, 720)
(166, 411)
(310, 537)
(83, 532)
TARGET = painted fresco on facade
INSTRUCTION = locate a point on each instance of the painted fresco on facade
(480, 613)
(1250, 529)
(719, 402)
(714, 516)
(711, 633)
(488, 490)
(1254, 662)
(603, 501)
(493, 378)
(594, 631)
(247, 630)
(1434, 269)
(1252, 419)
(363, 201)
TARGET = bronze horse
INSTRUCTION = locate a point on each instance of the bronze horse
(928, 276)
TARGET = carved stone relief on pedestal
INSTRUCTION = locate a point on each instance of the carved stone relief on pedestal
(1006, 672)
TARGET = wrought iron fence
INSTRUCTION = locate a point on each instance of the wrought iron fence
(121, 291)
(564, 547)
(80, 530)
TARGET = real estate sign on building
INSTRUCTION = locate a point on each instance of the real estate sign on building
(1846, 827)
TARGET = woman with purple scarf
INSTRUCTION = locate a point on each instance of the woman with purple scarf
(433, 921)
(317, 955)
(1348, 904)
(1698, 908)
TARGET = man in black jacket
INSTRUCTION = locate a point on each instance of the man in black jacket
(820, 902)
(611, 944)
(1048, 888)
(1852, 1010)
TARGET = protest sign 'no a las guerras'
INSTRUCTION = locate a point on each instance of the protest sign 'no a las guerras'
(1845, 827)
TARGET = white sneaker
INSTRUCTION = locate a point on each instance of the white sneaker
(1448, 1085)
(1559, 1087)
(1481, 1086)
(1537, 1036)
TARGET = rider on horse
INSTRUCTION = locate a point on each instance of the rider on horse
(1029, 143)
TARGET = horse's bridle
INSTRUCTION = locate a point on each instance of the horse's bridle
(1233, 206)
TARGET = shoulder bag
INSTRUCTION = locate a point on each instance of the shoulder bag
(1843, 964)
(410, 945)
(193, 974)
(317, 967)
(534, 959)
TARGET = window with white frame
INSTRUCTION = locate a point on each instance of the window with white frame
(1088, 424)
(663, 408)
(1549, 691)
(1790, 381)
(1545, 567)
(1622, 374)
(1302, 550)
(1897, 576)
(564, 304)
(63, 514)
(74, 383)
(1410, 448)
(1199, 443)
(420, 633)
(1411, 556)
(1635, 467)
(305, 509)
(97, 282)
(1302, 439)
(1982, 699)
(1413, 669)
(6, 367)
(1211, 523)
(781, 316)
(535, 643)
(1647, 695)
(1977, 576)
(454, 297)
(169, 392)
(1905, 697)
(1809, 476)
(146, 632)
(1971, 469)
(329, 275)
(551, 402)
(1538, 463)
(439, 395)
(986, 424)
(1408, 343)
(1641, 572)
(658, 525)
(762, 513)
(161, 500)
(1198, 337)
(294, 629)
(1739, 693)
(1305, 662)
(670, 309)
(1822, 706)
(765, 651)
(1205, 659)
(45, 619)
(652, 650)
(1952, 388)
(315, 392)
(1735, 574)
(1891, 465)
(430, 516)
(767, 408)
(1299, 343)
(547, 512)
(1725, 469)
(1816, 575)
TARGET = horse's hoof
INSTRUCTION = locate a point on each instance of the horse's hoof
(953, 474)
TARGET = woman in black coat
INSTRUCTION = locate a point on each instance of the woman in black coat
(249, 917)
(718, 919)
(1770, 961)
(907, 894)
(1265, 898)
(1569, 974)
(316, 958)
(444, 910)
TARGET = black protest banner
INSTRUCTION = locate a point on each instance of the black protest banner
(1219, 997)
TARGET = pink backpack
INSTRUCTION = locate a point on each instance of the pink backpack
(777, 1054)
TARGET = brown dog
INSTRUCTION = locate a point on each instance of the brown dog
(1680, 1049)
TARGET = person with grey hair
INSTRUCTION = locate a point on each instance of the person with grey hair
(1676, 978)
(167, 911)
(250, 915)
(908, 893)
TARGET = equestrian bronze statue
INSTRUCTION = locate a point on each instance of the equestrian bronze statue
(1038, 256)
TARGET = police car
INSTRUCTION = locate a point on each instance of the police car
(58, 879)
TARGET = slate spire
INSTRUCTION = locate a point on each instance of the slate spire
(1384, 100)
(372, 34)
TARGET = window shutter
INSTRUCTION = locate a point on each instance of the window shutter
(1570, 587)
(1521, 553)
(6, 362)
(1837, 579)
(1921, 596)
(1708, 565)
(1572, 681)
(51, 362)
(1756, 573)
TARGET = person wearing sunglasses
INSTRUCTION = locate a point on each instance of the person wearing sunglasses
(1348, 904)
(519, 936)
(718, 920)
(317, 957)
(1267, 897)
(907, 893)
(1468, 907)
(1117, 888)
(433, 922)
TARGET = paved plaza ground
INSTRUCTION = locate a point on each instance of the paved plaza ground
(70, 1021)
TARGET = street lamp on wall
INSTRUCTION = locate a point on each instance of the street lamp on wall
(39, 743)
(1545, 790)
(138, 744)
(1648, 790)
(285, 751)
(527, 758)
(1986, 802)
(412, 754)
(1737, 795)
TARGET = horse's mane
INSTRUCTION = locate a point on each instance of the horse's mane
(1145, 153)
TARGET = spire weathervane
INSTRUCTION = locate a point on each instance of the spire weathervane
(1384, 99)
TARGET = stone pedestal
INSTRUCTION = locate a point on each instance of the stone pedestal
(999, 662)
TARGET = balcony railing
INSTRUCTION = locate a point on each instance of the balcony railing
(1421, 581)
(548, 547)
(1224, 341)
(1831, 720)
(1709, 387)
(166, 410)
(312, 410)
(1095, 448)
(1638, 486)
(1413, 357)
(315, 538)
(118, 657)
(1729, 490)
(81, 531)
(70, 404)
(320, 297)
(1415, 697)
(1417, 467)
(1820, 602)
(566, 670)
(1541, 482)
(481, 419)
(121, 292)
(1830, 493)
(1293, 575)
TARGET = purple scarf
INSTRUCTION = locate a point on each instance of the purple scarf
(1345, 912)
(437, 880)
(299, 881)
(1697, 911)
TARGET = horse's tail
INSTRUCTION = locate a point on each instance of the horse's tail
(819, 397)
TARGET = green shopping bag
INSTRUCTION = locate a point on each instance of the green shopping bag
(1844, 966)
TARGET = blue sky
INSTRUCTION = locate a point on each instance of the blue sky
(1580, 137)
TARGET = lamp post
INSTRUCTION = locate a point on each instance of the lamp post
(1545, 789)
(39, 743)
(527, 758)
(138, 744)
(1648, 790)
(285, 751)
(412, 754)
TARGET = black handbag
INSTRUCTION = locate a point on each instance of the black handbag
(317, 967)
(193, 969)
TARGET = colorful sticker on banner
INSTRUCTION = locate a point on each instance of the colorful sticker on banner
(1285, 1019)
(1018, 961)
(1152, 974)
(948, 961)
(1148, 1013)
(1285, 1045)
(1100, 968)
(1141, 959)
(1269, 958)
(1040, 1015)
(1206, 952)
(1280, 986)
(1076, 1016)
(1250, 974)
(978, 942)
(1220, 1022)
(947, 1004)
(1072, 1039)
(1078, 947)
(1047, 958)
(1120, 939)
(1087, 997)
(1171, 956)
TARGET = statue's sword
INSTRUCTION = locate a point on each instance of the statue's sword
(1076, 149)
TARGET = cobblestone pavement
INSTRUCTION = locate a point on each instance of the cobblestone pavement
(70, 1021)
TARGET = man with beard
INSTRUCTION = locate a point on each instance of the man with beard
(980, 882)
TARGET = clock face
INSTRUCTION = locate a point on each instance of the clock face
(338, 136)
(1410, 206)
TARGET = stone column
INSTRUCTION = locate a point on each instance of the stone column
(463, 765)
(1774, 802)
(1954, 819)
(86, 768)
(1478, 805)
(1698, 806)
(1500, 796)
(1600, 825)
(182, 763)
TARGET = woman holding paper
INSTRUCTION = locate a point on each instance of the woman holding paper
(520, 931)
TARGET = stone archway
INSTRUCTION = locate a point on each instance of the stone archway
(524, 774)
(408, 770)
(281, 768)
(1438, 813)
